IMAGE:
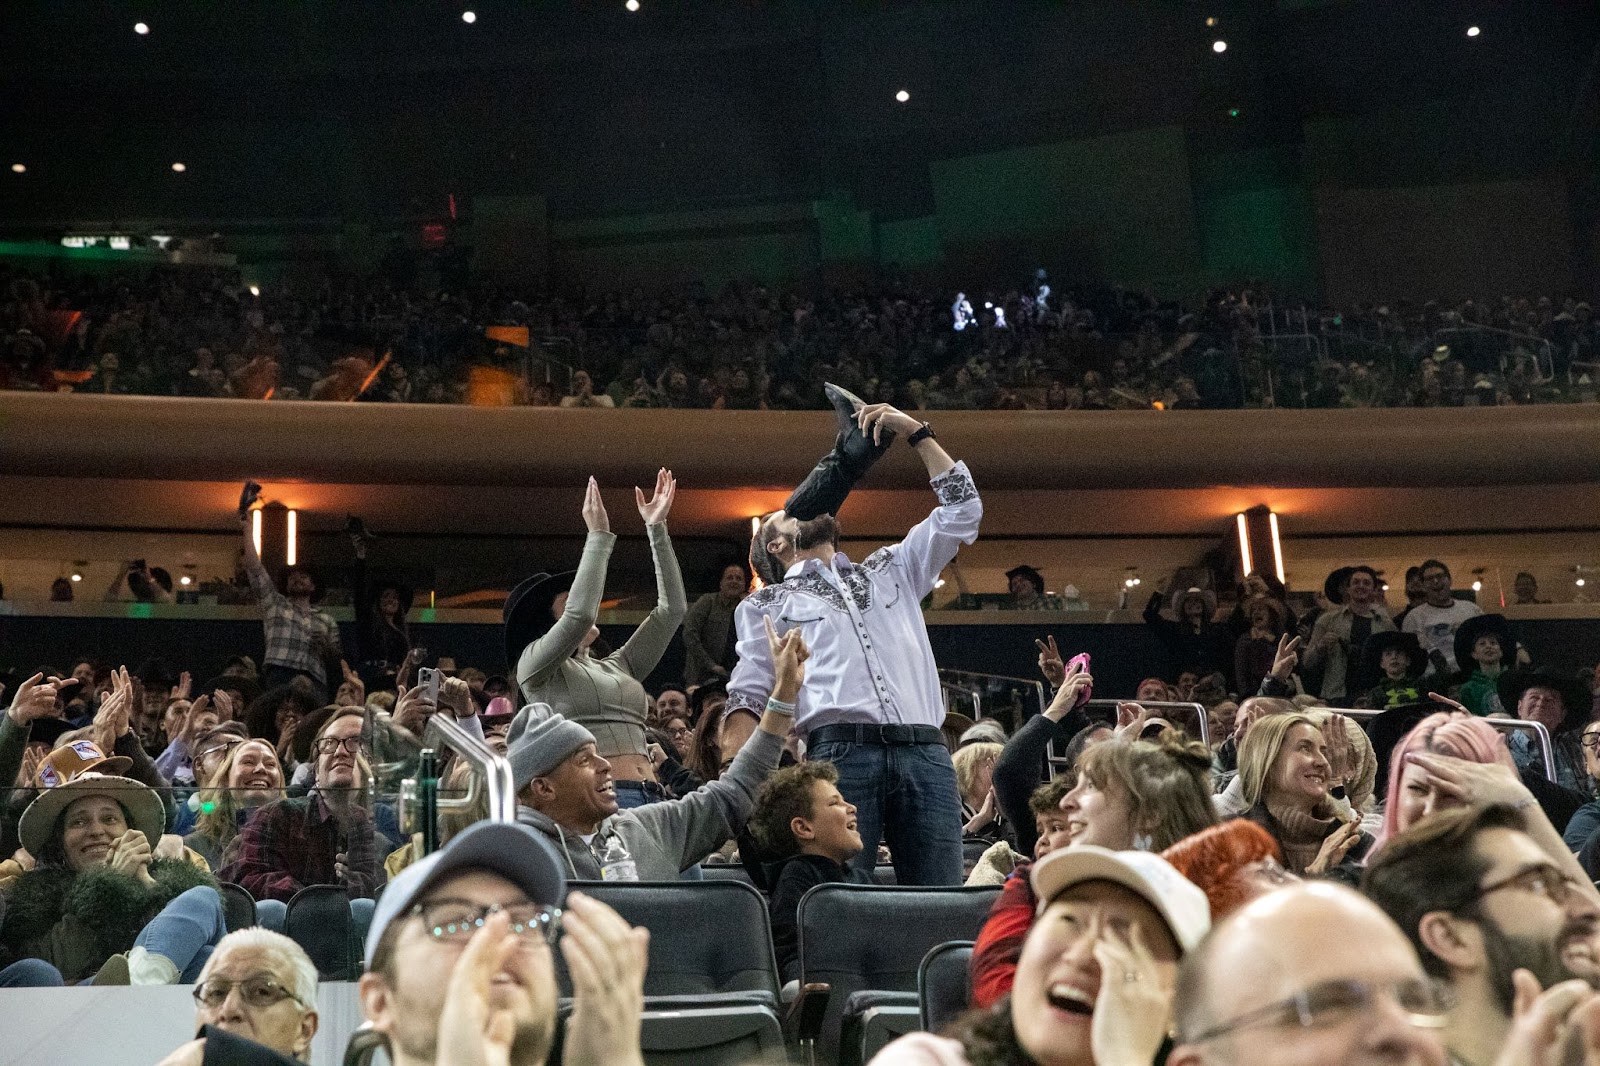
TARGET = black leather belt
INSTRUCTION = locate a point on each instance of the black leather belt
(859, 733)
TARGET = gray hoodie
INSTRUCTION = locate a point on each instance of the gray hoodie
(667, 838)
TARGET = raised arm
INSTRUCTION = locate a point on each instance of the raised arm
(931, 544)
(649, 642)
(700, 822)
(540, 658)
(260, 580)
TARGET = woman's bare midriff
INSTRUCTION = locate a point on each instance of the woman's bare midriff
(631, 767)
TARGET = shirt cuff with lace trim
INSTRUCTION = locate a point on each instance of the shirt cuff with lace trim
(954, 486)
(744, 701)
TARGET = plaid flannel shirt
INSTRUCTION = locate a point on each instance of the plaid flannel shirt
(294, 634)
(292, 843)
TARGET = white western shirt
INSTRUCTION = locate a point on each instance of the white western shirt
(870, 660)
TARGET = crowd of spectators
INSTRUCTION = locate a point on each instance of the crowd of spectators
(1417, 886)
(204, 333)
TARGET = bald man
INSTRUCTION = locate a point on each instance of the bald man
(1311, 975)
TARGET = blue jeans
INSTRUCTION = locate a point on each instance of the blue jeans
(632, 794)
(30, 973)
(906, 795)
(186, 931)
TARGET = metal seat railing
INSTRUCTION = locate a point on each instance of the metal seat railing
(1541, 735)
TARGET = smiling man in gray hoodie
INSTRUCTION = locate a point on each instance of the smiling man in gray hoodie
(564, 789)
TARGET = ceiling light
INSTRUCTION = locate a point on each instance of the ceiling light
(255, 290)
(142, 29)
(632, 5)
(1219, 47)
(1473, 31)
(902, 96)
(77, 576)
(186, 580)
(19, 168)
(178, 168)
(1211, 20)
(469, 17)
(1477, 586)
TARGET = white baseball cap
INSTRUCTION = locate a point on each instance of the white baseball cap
(1179, 902)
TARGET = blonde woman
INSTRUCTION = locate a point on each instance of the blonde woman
(248, 778)
(980, 812)
(1288, 771)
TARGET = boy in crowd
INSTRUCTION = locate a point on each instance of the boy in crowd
(801, 818)
(1401, 664)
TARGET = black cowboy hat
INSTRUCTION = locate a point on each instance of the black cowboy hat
(1575, 694)
(697, 699)
(1484, 625)
(1393, 640)
(1333, 587)
(526, 614)
(1033, 576)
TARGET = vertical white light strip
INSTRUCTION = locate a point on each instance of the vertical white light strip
(255, 529)
(755, 579)
(1277, 545)
(1244, 544)
(291, 553)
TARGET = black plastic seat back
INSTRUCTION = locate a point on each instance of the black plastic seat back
(706, 937)
(873, 937)
(318, 919)
(726, 872)
(944, 984)
(238, 906)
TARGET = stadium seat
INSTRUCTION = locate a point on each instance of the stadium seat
(944, 983)
(872, 977)
(238, 906)
(707, 938)
(318, 919)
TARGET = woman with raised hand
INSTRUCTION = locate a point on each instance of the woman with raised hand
(1288, 771)
(551, 635)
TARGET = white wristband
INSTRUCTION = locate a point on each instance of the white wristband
(777, 706)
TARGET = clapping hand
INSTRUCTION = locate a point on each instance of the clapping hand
(1551, 1027)
(114, 718)
(130, 855)
(1050, 664)
(607, 959)
(471, 1032)
(654, 510)
(1335, 846)
(594, 510)
(181, 690)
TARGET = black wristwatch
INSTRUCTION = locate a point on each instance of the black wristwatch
(925, 433)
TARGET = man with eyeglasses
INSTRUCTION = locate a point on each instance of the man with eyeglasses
(460, 966)
(1436, 619)
(1482, 892)
(1310, 975)
(258, 986)
(323, 838)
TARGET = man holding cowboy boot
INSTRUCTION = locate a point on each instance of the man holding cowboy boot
(871, 703)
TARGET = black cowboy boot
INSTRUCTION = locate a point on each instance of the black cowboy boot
(824, 489)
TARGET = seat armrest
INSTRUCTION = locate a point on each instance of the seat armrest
(802, 1019)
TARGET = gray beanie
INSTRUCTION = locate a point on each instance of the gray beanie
(539, 741)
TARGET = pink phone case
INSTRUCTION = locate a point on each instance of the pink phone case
(1081, 659)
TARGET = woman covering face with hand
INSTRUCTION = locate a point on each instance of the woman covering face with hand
(1094, 982)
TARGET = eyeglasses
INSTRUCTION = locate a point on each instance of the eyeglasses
(329, 745)
(1590, 741)
(221, 748)
(455, 920)
(1334, 1003)
(259, 991)
(677, 733)
(1544, 880)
